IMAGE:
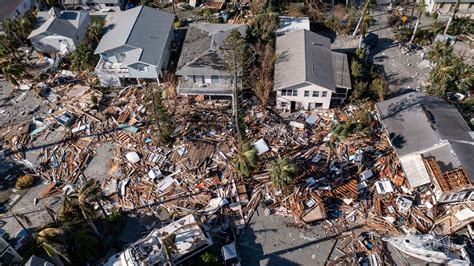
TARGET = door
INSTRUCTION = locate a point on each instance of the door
(292, 106)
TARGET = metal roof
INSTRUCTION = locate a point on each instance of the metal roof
(427, 125)
(304, 56)
(8, 7)
(141, 27)
(60, 22)
(342, 75)
(201, 53)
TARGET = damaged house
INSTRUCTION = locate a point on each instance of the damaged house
(434, 143)
(201, 64)
(59, 31)
(136, 46)
(308, 75)
(169, 245)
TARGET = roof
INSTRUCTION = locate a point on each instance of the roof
(415, 170)
(342, 75)
(454, 1)
(60, 22)
(201, 54)
(141, 27)
(37, 261)
(290, 24)
(8, 7)
(427, 125)
(304, 56)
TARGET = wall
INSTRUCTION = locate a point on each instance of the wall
(167, 51)
(151, 73)
(304, 101)
(81, 32)
(111, 54)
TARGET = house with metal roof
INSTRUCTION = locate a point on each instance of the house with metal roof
(201, 64)
(308, 75)
(434, 143)
(59, 31)
(14, 8)
(136, 46)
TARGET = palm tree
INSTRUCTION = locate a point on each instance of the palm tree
(282, 172)
(54, 242)
(366, 11)
(12, 71)
(421, 8)
(453, 14)
(441, 75)
(94, 32)
(83, 58)
(246, 159)
(364, 27)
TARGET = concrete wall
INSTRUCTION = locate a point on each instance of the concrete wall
(302, 100)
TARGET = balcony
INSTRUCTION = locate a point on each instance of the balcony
(190, 88)
(107, 68)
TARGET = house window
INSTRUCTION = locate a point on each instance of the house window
(215, 79)
(315, 93)
(325, 94)
(306, 93)
(311, 106)
(120, 57)
(142, 68)
(295, 92)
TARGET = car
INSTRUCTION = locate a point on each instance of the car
(369, 40)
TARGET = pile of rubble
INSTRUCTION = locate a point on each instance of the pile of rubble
(343, 183)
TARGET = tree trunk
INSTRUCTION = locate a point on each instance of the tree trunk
(99, 202)
(361, 17)
(174, 10)
(414, 30)
(451, 18)
(360, 40)
(93, 227)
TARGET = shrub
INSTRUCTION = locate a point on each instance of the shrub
(24, 182)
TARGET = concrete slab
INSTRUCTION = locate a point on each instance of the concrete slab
(97, 167)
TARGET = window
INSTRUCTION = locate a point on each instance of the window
(120, 57)
(306, 93)
(283, 92)
(142, 68)
(295, 93)
(315, 93)
(109, 5)
(325, 94)
(215, 79)
(311, 106)
(198, 79)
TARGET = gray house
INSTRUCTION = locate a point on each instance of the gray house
(421, 127)
(59, 31)
(14, 8)
(308, 75)
(135, 46)
(201, 64)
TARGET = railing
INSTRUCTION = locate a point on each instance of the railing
(190, 88)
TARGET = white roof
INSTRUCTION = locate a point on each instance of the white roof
(415, 170)
(290, 24)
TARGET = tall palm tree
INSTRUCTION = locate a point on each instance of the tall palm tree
(453, 14)
(94, 32)
(367, 10)
(440, 76)
(282, 172)
(420, 8)
(12, 71)
(364, 27)
(246, 159)
(54, 242)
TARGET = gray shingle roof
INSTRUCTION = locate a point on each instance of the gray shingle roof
(7, 7)
(61, 22)
(304, 56)
(417, 123)
(140, 27)
(201, 54)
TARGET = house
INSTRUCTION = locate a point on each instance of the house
(444, 8)
(14, 8)
(135, 46)
(201, 64)
(96, 4)
(59, 31)
(185, 236)
(434, 143)
(8, 253)
(308, 74)
(289, 24)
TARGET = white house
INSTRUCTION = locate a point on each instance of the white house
(444, 8)
(201, 64)
(135, 46)
(308, 75)
(59, 31)
(14, 8)
(96, 4)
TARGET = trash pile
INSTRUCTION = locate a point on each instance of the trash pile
(350, 180)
